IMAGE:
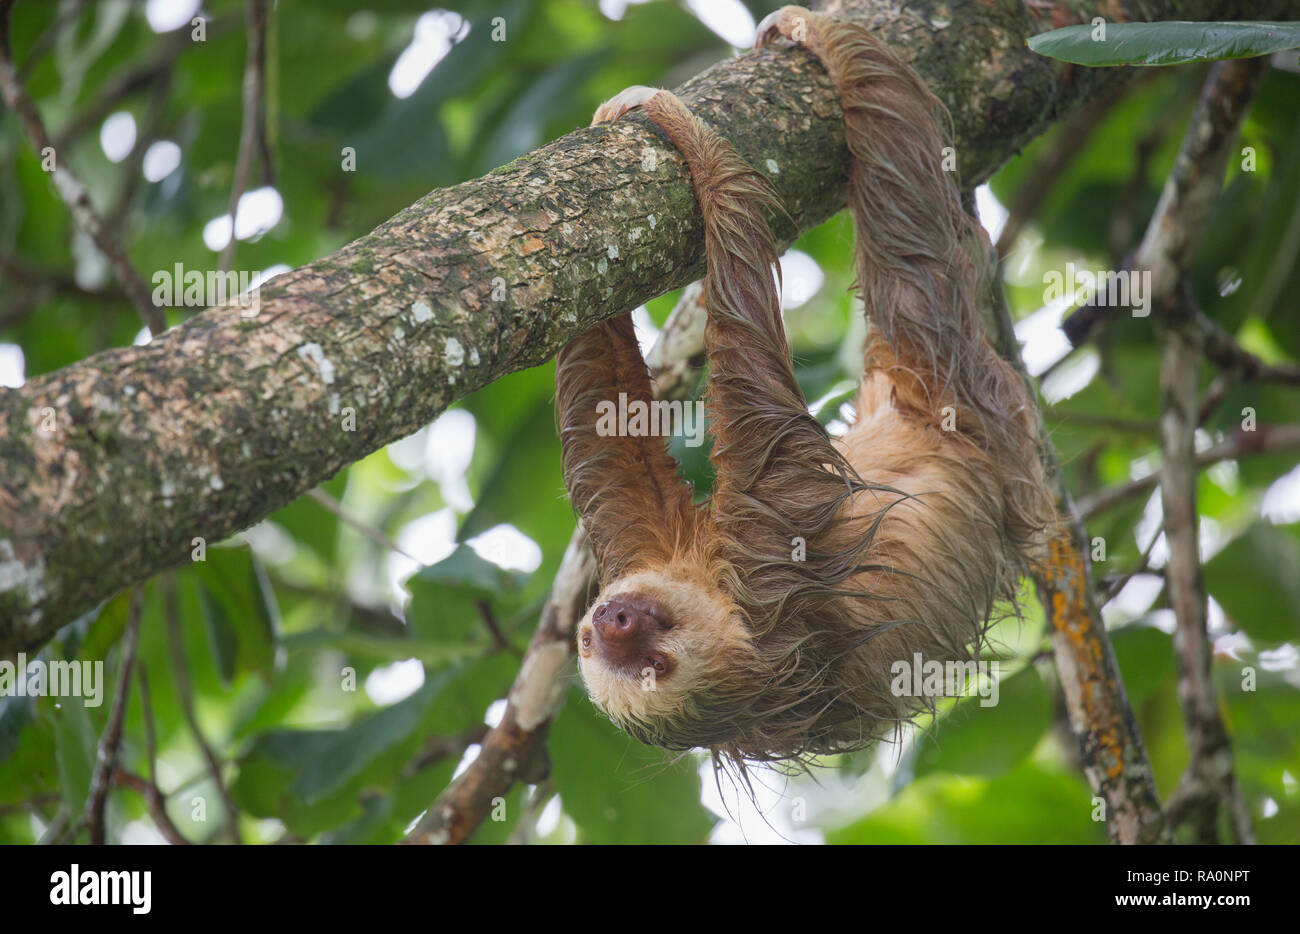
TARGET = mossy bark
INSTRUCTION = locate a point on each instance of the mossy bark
(112, 467)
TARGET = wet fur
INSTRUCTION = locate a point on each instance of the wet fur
(912, 532)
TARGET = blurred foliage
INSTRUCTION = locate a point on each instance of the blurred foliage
(291, 638)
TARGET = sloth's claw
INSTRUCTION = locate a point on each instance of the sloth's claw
(789, 21)
(625, 100)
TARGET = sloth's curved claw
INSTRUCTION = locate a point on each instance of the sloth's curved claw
(789, 21)
(625, 100)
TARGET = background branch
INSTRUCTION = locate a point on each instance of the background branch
(1265, 439)
(106, 758)
(252, 133)
(1185, 205)
(1101, 719)
(514, 750)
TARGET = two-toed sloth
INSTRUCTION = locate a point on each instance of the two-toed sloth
(763, 624)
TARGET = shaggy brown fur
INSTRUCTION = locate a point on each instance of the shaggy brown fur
(711, 630)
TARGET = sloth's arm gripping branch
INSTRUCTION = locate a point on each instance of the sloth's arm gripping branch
(915, 259)
(624, 486)
(778, 476)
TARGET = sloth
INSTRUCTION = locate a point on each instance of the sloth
(763, 624)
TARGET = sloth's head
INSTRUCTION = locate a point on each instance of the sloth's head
(667, 655)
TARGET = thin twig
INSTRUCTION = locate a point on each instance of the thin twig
(1265, 439)
(252, 132)
(155, 801)
(494, 628)
(1112, 587)
(132, 165)
(1222, 349)
(131, 81)
(440, 748)
(154, 797)
(106, 759)
(71, 189)
(184, 689)
(376, 535)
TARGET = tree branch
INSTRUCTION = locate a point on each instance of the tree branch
(511, 750)
(252, 132)
(1110, 746)
(106, 759)
(1185, 205)
(115, 464)
(1265, 439)
(153, 796)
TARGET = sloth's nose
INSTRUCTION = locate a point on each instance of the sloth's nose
(617, 622)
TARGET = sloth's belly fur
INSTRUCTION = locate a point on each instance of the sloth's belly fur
(940, 544)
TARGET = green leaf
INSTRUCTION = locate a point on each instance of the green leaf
(620, 791)
(225, 644)
(15, 714)
(370, 827)
(1171, 43)
(976, 740)
(311, 524)
(76, 753)
(323, 761)
(107, 627)
(1145, 656)
(524, 484)
(1027, 805)
(239, 611)
(433, 653)
(445, 596)
(1256, 580)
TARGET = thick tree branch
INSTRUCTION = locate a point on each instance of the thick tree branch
(114, 465)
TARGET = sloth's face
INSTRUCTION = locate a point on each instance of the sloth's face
(654, 640)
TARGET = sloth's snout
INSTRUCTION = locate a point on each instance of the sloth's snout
(616, 621)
